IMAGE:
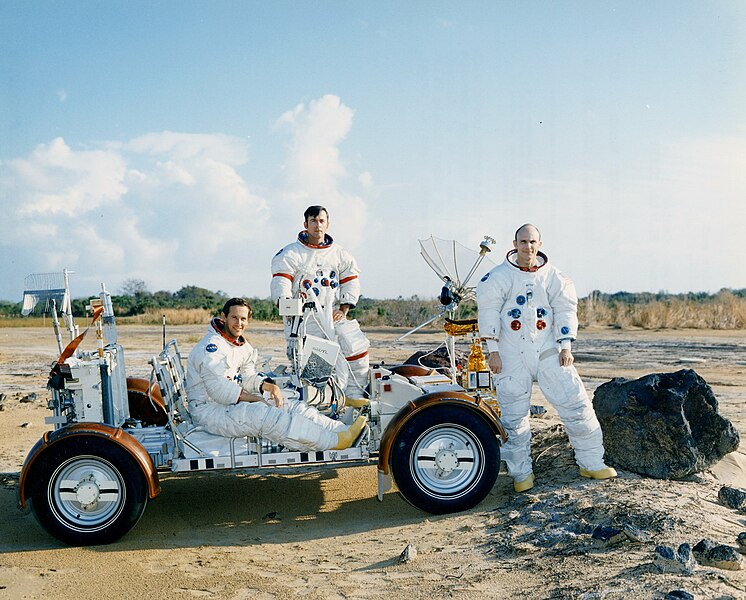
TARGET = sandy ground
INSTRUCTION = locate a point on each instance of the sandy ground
(322, 534)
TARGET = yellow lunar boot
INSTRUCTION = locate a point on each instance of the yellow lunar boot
(605, 473)
(524, 484)
(346, 438)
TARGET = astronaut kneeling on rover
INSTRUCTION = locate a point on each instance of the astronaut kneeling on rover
(226, 394)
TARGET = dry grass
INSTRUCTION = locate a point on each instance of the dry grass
(26, 322)
(174, 316)
(723, 311)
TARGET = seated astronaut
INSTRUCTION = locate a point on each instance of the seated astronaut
(226, 394)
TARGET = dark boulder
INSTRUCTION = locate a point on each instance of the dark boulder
(664, 425)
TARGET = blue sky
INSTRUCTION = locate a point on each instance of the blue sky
(179, 142)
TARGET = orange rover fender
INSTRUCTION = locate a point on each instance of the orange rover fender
(116, 434)
(418, 404)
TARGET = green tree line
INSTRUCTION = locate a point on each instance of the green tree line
(135, 299)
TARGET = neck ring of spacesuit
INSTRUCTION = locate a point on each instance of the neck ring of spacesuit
(303, 239)
(219, 326)
(510, 256)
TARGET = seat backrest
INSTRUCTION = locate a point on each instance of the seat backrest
(171, 377)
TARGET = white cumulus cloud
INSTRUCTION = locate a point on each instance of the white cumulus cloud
(56, 179)
(150, 208)
(314, 171)
(176, 208)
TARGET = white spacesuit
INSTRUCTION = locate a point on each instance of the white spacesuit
(327, 275)
(528, 315)
(218, 368)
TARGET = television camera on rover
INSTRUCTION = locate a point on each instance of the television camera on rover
(88, 480)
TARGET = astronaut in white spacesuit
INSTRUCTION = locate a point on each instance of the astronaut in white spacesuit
(317, 269)
(226, 394)
(528, 316)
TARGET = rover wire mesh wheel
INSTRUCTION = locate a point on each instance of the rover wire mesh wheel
(445, 459)
(87, 490)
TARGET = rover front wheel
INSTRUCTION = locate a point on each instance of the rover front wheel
(445, 459)
(87, 490)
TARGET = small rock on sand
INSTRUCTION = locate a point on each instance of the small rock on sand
(679, 595)
(604, 537)
(732, 497)
(669, 561)
(722, 557)
(408, 554)
(28, 398)
(741, 539)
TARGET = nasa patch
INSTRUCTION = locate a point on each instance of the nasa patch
(565, 330)
(211, 348)
(486, 277)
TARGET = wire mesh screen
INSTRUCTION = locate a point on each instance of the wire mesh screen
(40, 289)
(450, 259)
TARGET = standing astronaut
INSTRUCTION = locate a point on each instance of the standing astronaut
(528, 316)
(319, 270)
(225, 391)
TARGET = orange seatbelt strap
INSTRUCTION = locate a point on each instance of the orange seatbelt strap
(73, 345)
